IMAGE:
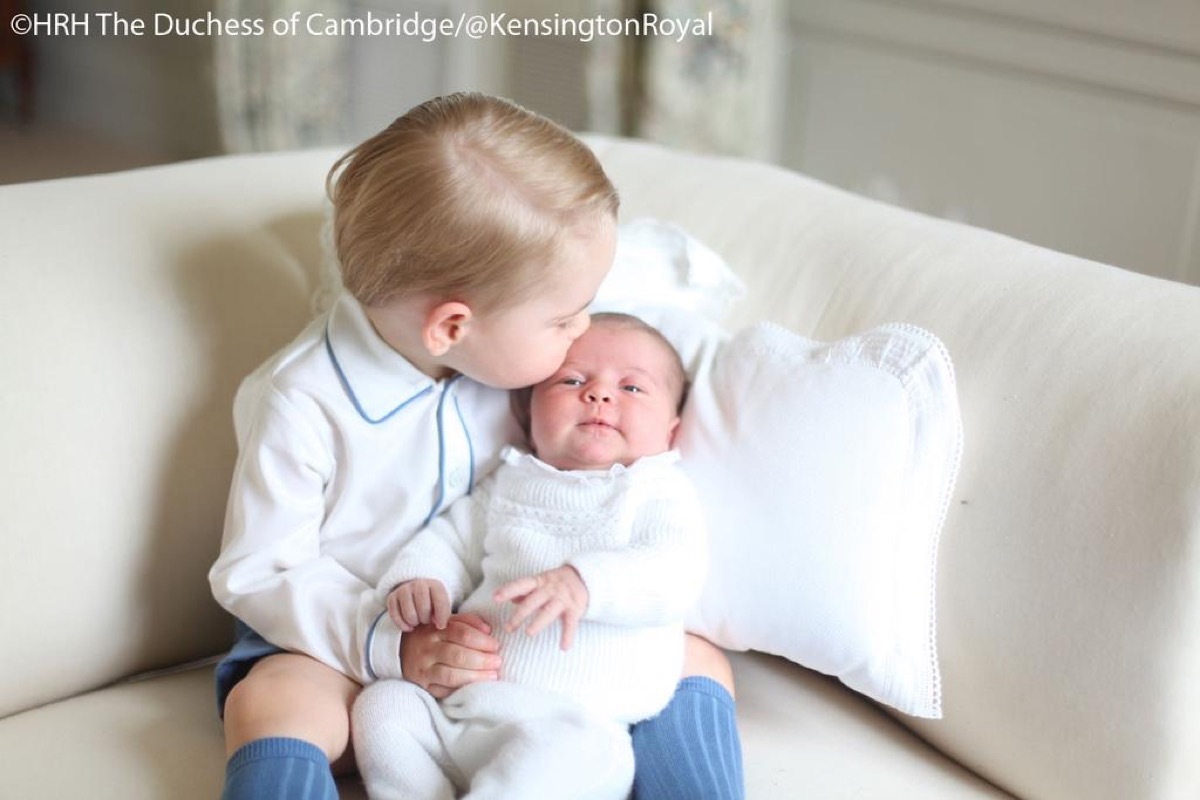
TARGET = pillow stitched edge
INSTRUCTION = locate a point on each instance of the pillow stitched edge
(920, 363)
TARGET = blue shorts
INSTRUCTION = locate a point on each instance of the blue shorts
(248, 650)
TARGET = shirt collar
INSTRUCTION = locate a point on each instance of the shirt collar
(378, 380)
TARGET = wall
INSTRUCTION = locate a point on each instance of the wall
(1071, 123)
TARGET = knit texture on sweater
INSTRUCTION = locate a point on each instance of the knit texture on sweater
(636, 536)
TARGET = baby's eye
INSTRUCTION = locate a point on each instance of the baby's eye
(632, 388)
(572, 381)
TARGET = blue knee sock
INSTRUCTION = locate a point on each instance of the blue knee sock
(692, 749)
(287, 769)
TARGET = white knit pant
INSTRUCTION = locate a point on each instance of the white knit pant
(494, 741)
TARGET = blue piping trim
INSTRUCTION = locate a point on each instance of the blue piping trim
(441, 431)
(371, 640)
(337, 367)
(470, 447)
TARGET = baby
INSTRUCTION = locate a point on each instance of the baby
(594, 545)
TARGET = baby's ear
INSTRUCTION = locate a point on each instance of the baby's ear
(673, 432)
(445, 326)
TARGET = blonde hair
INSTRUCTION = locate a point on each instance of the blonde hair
(466, 196)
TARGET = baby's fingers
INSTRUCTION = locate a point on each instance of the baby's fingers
(526, 606)
(553, 609)
(422, 603)
(515, 589)
(440, 602)
(396, 610)
(550, 611)
(569, 624)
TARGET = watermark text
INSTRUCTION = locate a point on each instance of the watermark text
(426, 28)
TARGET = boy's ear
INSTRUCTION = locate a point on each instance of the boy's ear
(445, 326)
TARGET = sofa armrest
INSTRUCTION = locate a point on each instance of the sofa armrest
(133, 304)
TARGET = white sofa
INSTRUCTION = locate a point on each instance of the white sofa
(1069, 578)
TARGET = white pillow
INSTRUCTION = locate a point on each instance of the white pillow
(826, 470)
(660, 263)
(670, 279)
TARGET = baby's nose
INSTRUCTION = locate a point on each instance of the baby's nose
(598, 396)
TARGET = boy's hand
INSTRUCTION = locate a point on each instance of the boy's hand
(556, 594)
(422, 601)
(441, 661)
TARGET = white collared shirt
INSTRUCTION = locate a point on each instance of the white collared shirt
(346, 450)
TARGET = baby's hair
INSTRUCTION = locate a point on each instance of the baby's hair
(467, 197)
(520, 399)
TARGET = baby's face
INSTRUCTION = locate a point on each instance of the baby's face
(613, 401)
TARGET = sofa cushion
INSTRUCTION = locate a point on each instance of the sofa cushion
(803, 734)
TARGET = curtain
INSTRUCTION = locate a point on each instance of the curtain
(281, 91)
(710, 93)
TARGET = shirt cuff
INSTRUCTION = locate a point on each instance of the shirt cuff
(383, 649)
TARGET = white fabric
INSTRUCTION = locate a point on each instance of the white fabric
(661, 263)
(825, 470)
(634, 534)
(673, 281)
(345, 449)
(491, 741)
(555, 718)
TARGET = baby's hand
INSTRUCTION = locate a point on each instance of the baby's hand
(419, 602)
(556, 594)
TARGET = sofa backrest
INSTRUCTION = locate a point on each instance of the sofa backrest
(133, 304)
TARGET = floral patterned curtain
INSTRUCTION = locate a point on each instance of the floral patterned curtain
(277, 92)
(704, 93)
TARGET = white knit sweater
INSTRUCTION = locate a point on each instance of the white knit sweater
(636, 536)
